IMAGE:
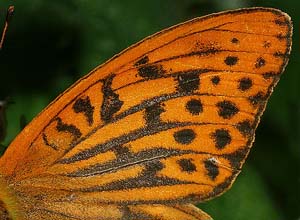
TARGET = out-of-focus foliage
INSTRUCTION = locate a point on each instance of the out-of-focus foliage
(50, 44)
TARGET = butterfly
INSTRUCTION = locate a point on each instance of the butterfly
(160, 127)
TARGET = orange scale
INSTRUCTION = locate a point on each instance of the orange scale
(125, 78)
(52, 136)
(135, 94)
(186, 63)
(269, 27)
(179, 47)
(158, 193)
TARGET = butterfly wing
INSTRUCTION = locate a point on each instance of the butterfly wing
(170, 120)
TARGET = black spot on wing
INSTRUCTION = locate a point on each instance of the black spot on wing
(227, 109)
(221, 138)
(246, 128)
(215, 80)
(194, 106)
(124, 159)
(235, 40)
(245, 84)
(211, 168)
(269, 75)
(266, 44)
(187, 165)
(147, 178)
(111, 102)
(257, 99)
(231, 60)
(185, 136)
(260, 62)
(83, 105)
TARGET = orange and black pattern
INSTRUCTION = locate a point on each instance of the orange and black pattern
(161, 126)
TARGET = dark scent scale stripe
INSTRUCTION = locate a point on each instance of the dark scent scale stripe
(152, 114)
(147, 178)
(123, 139)
(142, 157)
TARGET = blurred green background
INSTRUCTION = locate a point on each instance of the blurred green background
(52, 43)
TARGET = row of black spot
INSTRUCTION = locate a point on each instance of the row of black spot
(220, 137)
(226, 109)
(187, 165)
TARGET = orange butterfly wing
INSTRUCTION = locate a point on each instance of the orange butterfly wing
(168, 121)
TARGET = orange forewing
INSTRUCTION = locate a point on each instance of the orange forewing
(166, 123)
